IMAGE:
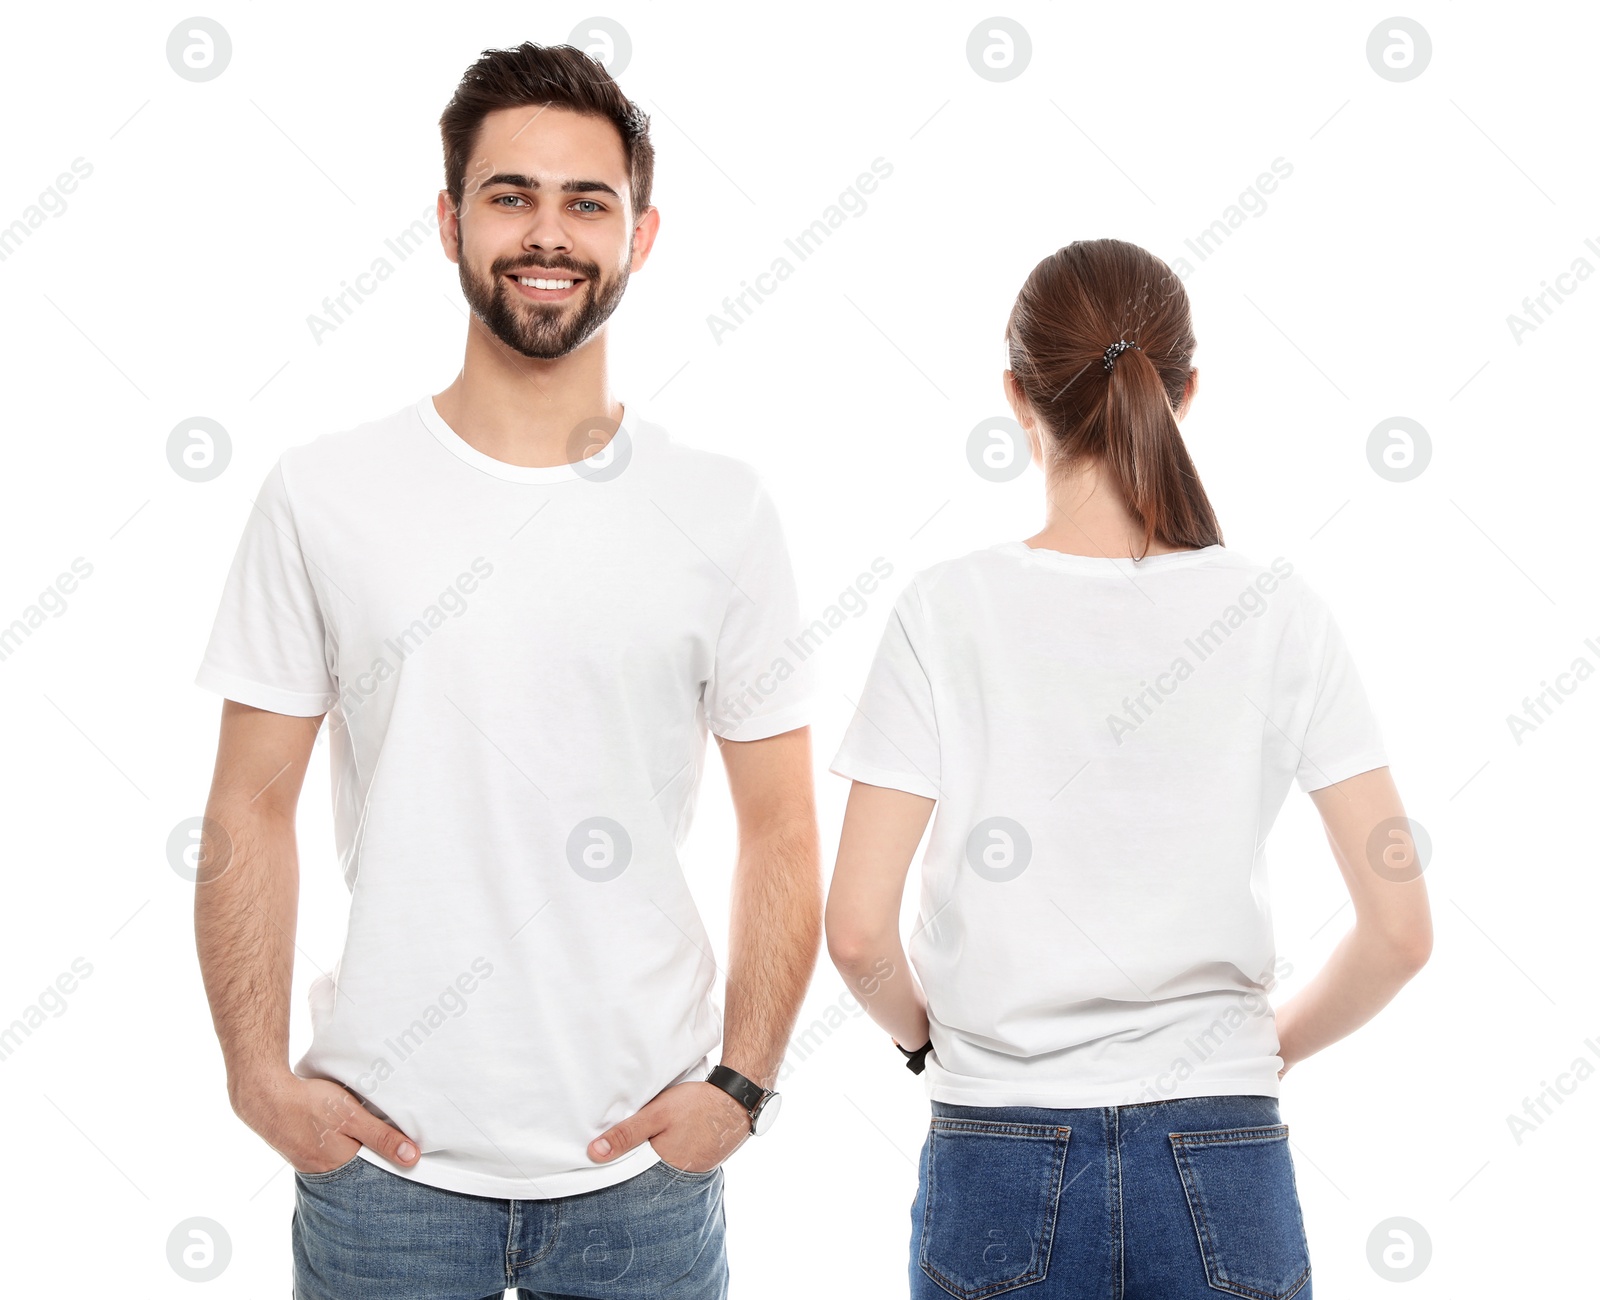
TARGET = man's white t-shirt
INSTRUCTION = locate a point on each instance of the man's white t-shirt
(1109, 743)
(521, 666)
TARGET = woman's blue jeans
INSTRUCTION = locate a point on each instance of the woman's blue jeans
(1189, 1199)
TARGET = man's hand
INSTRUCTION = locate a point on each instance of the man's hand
(318, 1125)
(692, 1126)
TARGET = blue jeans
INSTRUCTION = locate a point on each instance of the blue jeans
(1164, 1200)
(363, 1233)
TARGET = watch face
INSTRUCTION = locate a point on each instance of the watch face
(767, 1114)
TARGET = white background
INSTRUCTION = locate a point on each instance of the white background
(1376, 283)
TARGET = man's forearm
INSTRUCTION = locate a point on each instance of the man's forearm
(245, 904)
(775, 932)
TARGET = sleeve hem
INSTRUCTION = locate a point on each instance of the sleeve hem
(258, 695)
(764, 725)
(1333, 773)
(868, 775)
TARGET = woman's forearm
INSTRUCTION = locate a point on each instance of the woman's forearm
(881, 978)
(1359, 979)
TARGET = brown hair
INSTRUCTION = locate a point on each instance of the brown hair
(1075, 304)
(562, 75)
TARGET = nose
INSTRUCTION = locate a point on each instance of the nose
(546, 232)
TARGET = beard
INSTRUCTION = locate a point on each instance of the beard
(542, 330)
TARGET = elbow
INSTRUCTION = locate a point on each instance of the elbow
(852, 947)
(1409, 952)
(847, 949)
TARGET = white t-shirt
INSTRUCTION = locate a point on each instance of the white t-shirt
(521, 664)
(1109, 743)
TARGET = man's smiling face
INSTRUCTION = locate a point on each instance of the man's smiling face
(545, 241)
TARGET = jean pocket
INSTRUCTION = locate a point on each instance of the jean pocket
(1240, 1186)
(328, 1175)
(673, 1170)
(686, 1173)
(989, 1212)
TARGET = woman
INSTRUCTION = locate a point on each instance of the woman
(1107, 718)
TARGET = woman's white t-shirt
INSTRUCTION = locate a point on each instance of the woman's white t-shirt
(1109, 742)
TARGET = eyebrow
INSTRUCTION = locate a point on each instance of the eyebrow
(567, 187)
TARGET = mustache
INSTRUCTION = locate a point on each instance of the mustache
(587, 272)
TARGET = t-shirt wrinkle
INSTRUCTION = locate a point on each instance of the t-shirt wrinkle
(516, 730)
(1094, 923)
(735, 591)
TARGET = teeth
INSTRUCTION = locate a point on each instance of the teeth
(545, 284)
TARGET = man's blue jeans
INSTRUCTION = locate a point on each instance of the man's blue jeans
(363, 1233)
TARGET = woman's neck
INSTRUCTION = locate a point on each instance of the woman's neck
(1085, 515)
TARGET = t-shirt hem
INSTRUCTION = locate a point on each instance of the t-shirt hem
(999, 1093)
(1331, 774)
(870, 775)
(259, 695)
(568, 1183)
(764, 725)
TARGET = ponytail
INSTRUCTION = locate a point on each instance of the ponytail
(1100, 343)
(1147, 459)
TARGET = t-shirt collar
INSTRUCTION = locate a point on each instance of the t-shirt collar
(589, 467)
(1108, 564)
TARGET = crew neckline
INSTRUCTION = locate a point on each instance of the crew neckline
(1108, 563)
(591, 466)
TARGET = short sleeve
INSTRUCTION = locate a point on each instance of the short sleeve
(1342, 738)
(893, 739)
(268, 646)
(761, 676)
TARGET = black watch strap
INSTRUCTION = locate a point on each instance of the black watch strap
(747, 1092)
(917, 1060)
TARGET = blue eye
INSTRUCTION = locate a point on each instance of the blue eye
(592, 204)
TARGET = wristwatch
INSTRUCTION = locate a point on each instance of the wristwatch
(917, 1060)
(762, 1103)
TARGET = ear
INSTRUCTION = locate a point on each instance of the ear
(1014, 398)
(449, 227)
(644, 237)
(1024, 415)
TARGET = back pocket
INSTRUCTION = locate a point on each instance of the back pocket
(989, 1215)
(1240, 1186)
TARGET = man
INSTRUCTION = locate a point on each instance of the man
(519, 605)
